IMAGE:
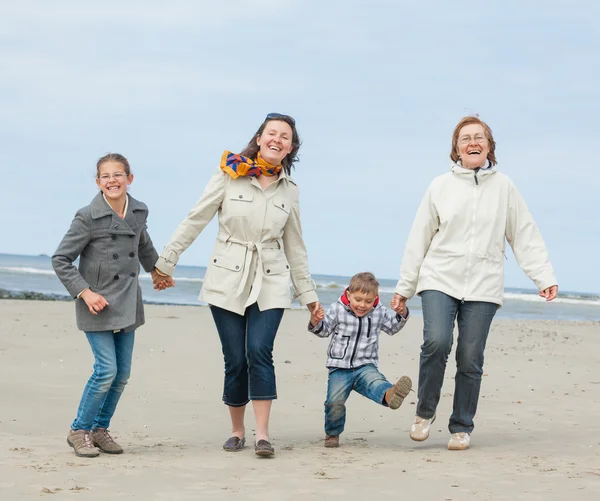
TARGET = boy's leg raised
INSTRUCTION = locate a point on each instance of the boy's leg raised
(372, 384)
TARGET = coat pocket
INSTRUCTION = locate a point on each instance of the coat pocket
(280, 212)
(224, 271)
(239, 204)
(339, 346)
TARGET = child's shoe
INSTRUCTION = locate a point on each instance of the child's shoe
(332, 441)
(459, 441)
(105, 442)
(419, 430)
(397, 393)
(82, 444)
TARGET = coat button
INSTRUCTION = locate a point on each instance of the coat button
(131, 236)
(116, 226)
(214, 260)
(283, 206)
(287, 266)
(116, 277)
(115, 256)
(132, 254)
(114, 237)
(237, 267)
(241, 196)
(268, 271)
(132, 274)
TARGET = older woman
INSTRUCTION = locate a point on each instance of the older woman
(259, 248)
(454, 259)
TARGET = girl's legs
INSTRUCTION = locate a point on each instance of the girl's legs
(101, 380)
(123, 343)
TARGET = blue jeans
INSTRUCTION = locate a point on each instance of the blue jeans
(247, 341)
(112, 367)
(366, 380)
(474, 319)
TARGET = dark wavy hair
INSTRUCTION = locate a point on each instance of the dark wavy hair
(252, 149)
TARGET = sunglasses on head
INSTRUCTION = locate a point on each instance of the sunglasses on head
(279, 116)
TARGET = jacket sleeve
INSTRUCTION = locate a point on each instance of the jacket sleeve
(146, 251)
(392, 322)
(527, 243)
(425, 226)
(328, 325)
(189, 229)
(295, 252)
(75, 240)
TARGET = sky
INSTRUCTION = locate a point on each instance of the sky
(376, 88)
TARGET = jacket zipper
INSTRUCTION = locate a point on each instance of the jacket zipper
(357, 341)
(471, 235)
(368, 327)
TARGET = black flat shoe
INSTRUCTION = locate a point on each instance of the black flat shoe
(263, 448)
(234, 444)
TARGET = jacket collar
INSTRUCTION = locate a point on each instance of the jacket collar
(99, 207)
(464, 173)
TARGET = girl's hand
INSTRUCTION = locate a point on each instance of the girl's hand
(95, 302)
(550, 293)
(161, 282)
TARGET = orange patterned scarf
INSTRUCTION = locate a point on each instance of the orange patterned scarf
(236, 165)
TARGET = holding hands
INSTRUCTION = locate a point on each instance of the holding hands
(161, 281)
(398, 304)
(317, 313)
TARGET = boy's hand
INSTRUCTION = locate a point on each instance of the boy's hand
(316, 315)
(398, 304)
(95, 302)
(161, 282)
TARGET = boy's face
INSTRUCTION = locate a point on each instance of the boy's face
(361, 303)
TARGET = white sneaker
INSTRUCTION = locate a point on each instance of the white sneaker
(419, 430)
(459, 441)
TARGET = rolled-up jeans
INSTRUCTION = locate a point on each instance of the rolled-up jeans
(474, 319)
(112, 367)
(247, 341)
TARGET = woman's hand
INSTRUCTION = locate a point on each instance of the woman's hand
(550, 293)
(398, 304)
(95, 302)
(161, 282)
(316, 315)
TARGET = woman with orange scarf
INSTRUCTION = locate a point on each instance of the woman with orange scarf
(259, 248)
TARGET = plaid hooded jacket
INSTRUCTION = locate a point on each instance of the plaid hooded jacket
(355, 340)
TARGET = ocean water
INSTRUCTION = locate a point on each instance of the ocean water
(34, 274)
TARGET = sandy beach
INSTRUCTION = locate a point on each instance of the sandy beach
(537, 434)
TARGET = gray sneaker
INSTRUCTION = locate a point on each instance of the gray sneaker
(81, 441)
(105, 442)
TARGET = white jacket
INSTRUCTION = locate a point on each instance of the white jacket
(457, 241)
(259, 246)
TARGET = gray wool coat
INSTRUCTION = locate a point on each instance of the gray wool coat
(110, 251)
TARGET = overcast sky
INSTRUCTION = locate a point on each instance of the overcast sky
(376, 87)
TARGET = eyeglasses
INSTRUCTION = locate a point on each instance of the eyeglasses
(479, 139)
(117, 176)
(279, 116)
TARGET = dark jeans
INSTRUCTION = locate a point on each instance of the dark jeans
(247, 341)
(474, 319)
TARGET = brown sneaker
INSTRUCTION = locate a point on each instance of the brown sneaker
(397, 393)
(332, 441)
(105, 442)
(81, 442)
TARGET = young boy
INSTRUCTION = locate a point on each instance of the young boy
(355, 321)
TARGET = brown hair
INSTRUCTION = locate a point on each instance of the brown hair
(113, 157)
(252, 149)
(364, 282)
(488, 134)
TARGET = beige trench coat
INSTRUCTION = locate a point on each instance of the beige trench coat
(259, 246)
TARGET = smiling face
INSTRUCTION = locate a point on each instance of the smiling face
(472, 146)
(113, 180)
(275, 142)
(361, 303)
